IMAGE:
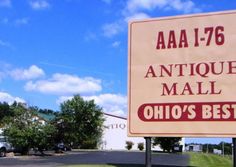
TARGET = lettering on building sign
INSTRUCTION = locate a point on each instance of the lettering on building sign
(207, 85)
(203, 70)
(211, 111)
(179, 39)
(116, 126)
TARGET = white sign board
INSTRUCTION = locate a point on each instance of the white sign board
(182, 76)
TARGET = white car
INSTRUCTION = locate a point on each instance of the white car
(4, 146)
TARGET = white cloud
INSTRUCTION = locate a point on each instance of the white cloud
(64, 84)
(32, 72)
(90, 36)
(2, 75)
(16, 22)
(107, 1)
(39, 4)
(111, 29)
(111, 103)
(5, 20)
(4, 70)
(5, 3)
(116, 44)
(134, 6)
(140, 9)
(5, 97)
(137, 16)
(185, 6)
(115, 104)
(22, 21)
(5, 44)
(63, 99)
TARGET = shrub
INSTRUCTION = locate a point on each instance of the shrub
(89, 144)
(140, 146)
(129, 145)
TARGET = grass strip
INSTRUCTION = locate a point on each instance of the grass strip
(209, 160)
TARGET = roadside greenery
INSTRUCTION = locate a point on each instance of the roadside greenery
(141, 146)
(209, 160)
(79, 124)
(129, 145)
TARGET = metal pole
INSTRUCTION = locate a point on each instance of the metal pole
(223, 148)
(207, 148)
(234, 152)
(148, 159)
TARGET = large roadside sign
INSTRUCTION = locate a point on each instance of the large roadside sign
(182, 76)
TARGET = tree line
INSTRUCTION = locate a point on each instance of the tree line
(224, 146)
(78, 124)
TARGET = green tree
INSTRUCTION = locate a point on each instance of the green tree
(43, 136)
(80, 123)
(166, 143)
(227, 147)
(43, 111)
(5, 113)
(25, 131)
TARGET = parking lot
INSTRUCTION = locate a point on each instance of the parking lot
(96, 157)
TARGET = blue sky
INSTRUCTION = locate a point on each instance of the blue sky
(53, 49)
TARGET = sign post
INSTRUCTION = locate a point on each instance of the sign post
(148, 159)
(234, 152)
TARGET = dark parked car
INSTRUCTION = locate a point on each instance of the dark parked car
(60, 147)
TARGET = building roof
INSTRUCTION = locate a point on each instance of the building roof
(111, 115)
(46, 117)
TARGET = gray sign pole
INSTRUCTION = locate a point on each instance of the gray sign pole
(234, 152)
(148, 152)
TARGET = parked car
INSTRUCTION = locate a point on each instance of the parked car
(177, 148)
(4, 146)
(60, 147)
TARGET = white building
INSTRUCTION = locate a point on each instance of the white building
(194, 148)
(216, 151)
(1, 132)
(115, 135)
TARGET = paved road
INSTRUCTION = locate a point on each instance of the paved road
(118, 158)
